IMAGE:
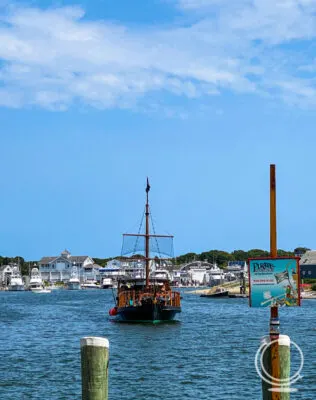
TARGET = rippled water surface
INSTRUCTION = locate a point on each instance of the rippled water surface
(208, 354)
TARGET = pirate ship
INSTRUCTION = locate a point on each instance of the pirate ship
(146, 298)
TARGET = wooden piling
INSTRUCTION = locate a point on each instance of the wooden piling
(275, 362)
(285, 366)
(94, 368)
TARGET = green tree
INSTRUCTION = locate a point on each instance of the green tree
(255, 253)
(219, 256)
(283, 253)
(301, 250)
(185, 258)
(240, 255)
(101, 261)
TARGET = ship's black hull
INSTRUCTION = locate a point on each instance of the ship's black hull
(147, 313)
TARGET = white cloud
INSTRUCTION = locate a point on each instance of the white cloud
(52, 58)
(198, 4)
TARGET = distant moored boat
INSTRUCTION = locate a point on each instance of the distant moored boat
(16, 283)
(219, 292)
(36, 282)
(74, 281)
(107, 283)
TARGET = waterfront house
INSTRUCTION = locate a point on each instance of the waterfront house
(5, 274)
(58, 268)
(125, 267)
(237, 267)
(91, 272)
(135, 268)
(114, 263)
(195, 272)
(112, 270)
(308, 265)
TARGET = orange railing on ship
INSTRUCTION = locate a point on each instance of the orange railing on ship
(130, 297)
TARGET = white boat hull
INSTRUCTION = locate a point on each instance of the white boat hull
(40, 290)
(16, 288)
(55, 287)
(73, 286)
(87, 286)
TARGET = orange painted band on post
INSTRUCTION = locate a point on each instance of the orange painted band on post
(273, 225)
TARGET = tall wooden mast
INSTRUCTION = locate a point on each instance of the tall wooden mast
(147, 235)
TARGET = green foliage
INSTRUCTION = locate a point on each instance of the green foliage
(222, 257)
(101, 261)
(185, 258)
(218, 256)
(240, 255)
(314, 287)
(282, 253)
(255, 253)
(301, 250)
(59, 283)
(309, 281)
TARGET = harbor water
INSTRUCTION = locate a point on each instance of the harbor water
(208, 354)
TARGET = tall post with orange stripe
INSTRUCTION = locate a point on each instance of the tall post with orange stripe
(276, 357)
(274, 311)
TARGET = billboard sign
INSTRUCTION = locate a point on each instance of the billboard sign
(274, 282)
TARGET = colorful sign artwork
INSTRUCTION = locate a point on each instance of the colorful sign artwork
(274, 282)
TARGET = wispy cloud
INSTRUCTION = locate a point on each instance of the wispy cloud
(54, 57)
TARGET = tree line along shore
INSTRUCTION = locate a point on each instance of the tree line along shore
(219, 256)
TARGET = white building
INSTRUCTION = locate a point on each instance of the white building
(308, 265)
(132, 268)
(197, 272)
(58, 268)
(116, 268)
(237, 267)
(5, 274)
(112, 270)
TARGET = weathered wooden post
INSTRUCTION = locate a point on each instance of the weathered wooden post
(274, 281)
(284, 344)
(94, 368)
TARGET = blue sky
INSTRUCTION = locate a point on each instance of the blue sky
(199, 95)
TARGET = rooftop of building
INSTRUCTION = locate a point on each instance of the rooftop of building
(65, 255)
(308, 258)
(4, 267)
